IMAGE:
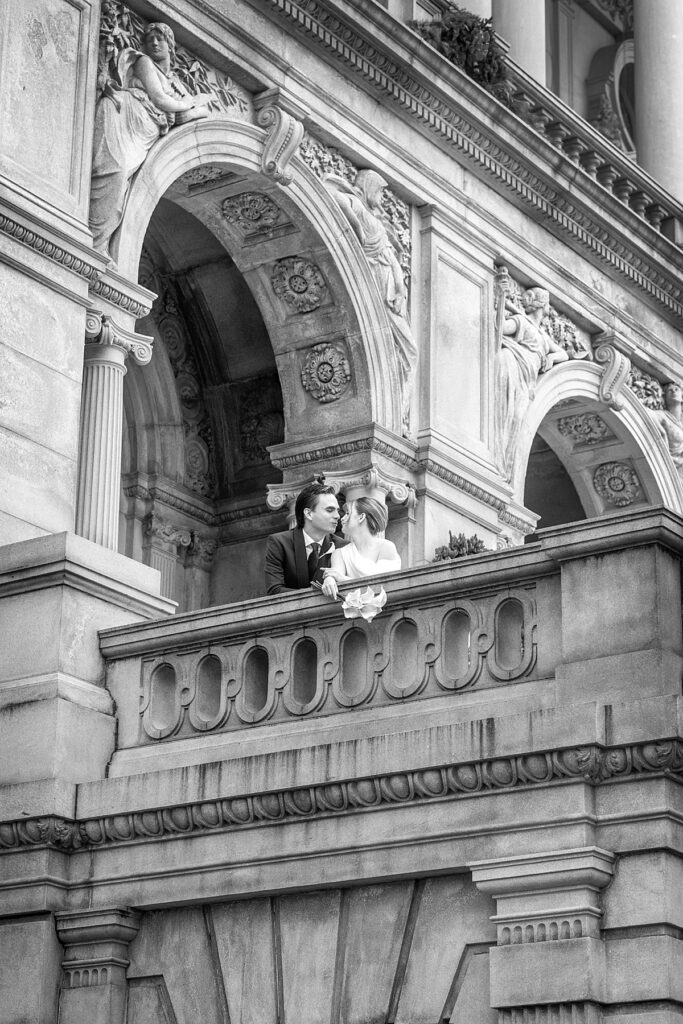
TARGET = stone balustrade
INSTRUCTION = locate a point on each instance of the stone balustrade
(489, 627)
(593, 153)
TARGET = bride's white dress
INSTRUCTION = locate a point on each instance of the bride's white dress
(356, 565)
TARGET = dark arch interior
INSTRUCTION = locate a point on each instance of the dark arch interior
(548, 488)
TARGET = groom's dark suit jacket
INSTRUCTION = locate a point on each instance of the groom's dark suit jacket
(286, 562)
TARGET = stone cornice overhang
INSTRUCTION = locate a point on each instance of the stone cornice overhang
(593, 764)
(490, 140)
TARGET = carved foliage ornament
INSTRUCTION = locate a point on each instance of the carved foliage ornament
(584, 429)
(251, 212)
(299, 283)
(326, 372)
(646, 387)
(617, 483)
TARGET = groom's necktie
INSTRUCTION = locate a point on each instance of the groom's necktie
(313, 559)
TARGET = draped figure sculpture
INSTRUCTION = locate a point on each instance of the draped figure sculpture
(670, 423)
(131, 114)
(361, 204)
(526, 351)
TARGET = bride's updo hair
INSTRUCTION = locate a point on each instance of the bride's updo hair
(376, 514)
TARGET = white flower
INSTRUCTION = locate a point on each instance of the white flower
(364, 604)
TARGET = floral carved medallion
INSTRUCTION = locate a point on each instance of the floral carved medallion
(251, 212)
(616, 483)
(299, 283)
(326, 372)
(586, 428)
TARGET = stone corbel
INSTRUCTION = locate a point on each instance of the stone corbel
(101, 329)
(281, 116)
(615, 373)
(162, 541)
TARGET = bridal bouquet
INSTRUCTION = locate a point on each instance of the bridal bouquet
(363, 604)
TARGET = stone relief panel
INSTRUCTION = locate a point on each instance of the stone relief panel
(326, 372)
(299, 283)
(584, 429)
(261, 420)
(146, 86)
(617, 483)
(253, 213)
(200, 468)
(646, 387)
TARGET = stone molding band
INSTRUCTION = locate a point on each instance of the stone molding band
(592, 763)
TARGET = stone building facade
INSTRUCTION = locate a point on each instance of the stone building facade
(248, 242)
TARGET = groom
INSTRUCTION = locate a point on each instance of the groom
(295, 557)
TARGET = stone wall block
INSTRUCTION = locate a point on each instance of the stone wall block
(565, 971)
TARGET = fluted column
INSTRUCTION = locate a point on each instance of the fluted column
(522, 24)
(99, 470)
(658, 36)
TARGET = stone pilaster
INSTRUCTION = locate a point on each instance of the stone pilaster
(658, 30)
(161, 546)
(549, 962)
(94, 981)
(99, 472)
(522, 25)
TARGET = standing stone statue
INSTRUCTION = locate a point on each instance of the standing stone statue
(670, 423)
(526, 351)
(130, 116)
(362, 206)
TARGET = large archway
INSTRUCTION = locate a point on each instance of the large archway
(581, 454)
(254, 281)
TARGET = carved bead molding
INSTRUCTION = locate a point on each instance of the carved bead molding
(326, 372)
(101, 329)
(45, 247)
(617, 483)
(482, 147)
(284, 136)
(592, 764)
(614, 375)
(252, 212)
(299, 283)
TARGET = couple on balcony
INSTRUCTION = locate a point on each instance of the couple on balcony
(313, 553)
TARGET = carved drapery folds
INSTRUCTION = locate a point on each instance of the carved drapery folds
(361, 204)
(128, 121)
(99, 469)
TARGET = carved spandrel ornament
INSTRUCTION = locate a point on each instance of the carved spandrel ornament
(646, 387)
(669, 421)
(361, 204)
(617, 483)
(326, 372)
(525, 350)
(299, 283)
(146, 86)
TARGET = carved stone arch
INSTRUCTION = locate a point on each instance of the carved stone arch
(614, 457)
(351, 314)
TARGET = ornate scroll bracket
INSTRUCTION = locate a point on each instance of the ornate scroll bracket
(284, 135)
(101, 329)
(615, 373)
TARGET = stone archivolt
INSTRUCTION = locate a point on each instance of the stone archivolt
(593, 764)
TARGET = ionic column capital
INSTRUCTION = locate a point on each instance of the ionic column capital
(102, 329)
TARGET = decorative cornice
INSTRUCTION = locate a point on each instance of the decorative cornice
(400, 83)
(449, 477)
(118, 298)
(594, 764)
(54, 252)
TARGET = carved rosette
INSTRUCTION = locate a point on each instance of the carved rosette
(326, 372)
(299, 283)
(617, 483)
(584, 429)
(252, 212)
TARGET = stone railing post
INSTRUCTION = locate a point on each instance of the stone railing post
(94, 981)
(549, 963)
(99, 469)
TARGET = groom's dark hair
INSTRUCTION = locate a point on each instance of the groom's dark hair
(308, 498)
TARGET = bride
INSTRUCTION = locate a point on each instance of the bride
(368, 553)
